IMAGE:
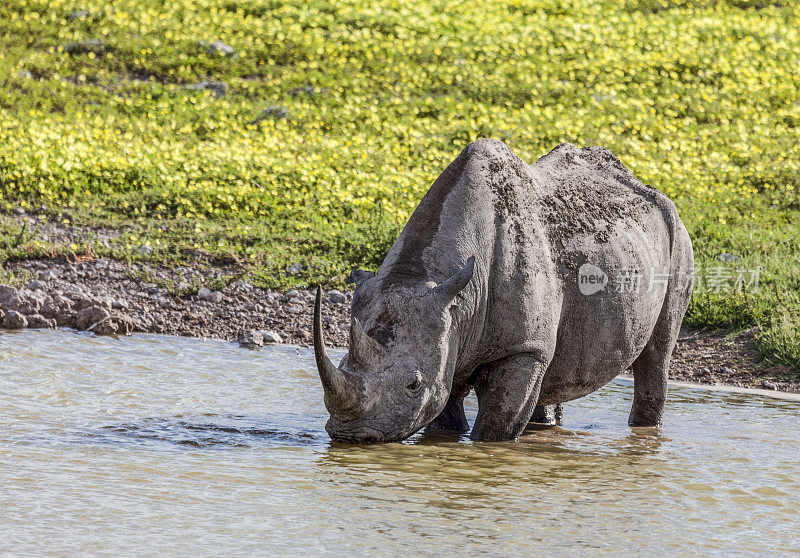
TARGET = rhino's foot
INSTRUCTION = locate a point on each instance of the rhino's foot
(646, 412)
(544, 414)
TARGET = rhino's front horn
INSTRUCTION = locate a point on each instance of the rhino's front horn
(342, 388)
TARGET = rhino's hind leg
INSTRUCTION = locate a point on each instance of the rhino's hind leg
(507, 392)
(548, 414)
(651, 367)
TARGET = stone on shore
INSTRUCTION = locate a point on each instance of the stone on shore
(111, 290)
(250, 339)
(89, 316)
(14, 320)
(60, 309)
(81, 301)
(337, 297)
(39, 321)
(271, 337)
(208, 295)
(6, 293)
(26, 302)
(114, 325)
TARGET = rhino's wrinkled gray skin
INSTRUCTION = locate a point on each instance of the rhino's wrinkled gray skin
(481, 291)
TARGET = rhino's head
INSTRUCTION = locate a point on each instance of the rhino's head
(395, 379)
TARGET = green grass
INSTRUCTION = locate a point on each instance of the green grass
(698, 97)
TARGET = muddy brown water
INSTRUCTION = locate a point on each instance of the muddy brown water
(153, 445)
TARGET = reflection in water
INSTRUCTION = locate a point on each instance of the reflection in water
(159, 445)
(542, 457)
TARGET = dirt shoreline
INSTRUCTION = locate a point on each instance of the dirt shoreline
(113, 297)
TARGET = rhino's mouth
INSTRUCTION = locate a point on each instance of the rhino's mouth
(359, 433)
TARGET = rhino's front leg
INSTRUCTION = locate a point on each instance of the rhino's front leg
(507, 392)
(453, 416)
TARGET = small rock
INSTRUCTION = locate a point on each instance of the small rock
(766, 384)
(191, 317)
(218, 87)
(145, 249)
(14, 320)
(37, 286)
(293, 294)
(80, 300)
(275, 112)
(295, 269)
(88, 317)
(79, 14)
(59, 310)
(306, 90)
(89, 45)
(218, 47)
(294, 309)
(250, 339)
(7, 293)
(242, 286)
(271, 337)
(337, 297)
(49, 274)
(19, 211)
(208, 295)
(26, 302)
(727, 370)
(114, 325)
(39, 321)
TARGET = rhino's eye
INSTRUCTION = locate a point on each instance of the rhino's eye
(415, 383)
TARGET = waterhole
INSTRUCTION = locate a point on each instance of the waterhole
(160, 445)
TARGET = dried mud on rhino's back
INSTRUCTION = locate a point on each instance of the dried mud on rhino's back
(593, 192)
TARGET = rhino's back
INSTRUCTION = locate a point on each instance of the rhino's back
(611, 239)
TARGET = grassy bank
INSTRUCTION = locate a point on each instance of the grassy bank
(333, 118)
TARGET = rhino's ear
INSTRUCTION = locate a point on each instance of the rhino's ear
(358, 275)
(448, 290)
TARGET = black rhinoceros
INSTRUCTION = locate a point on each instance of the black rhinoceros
(529, 284)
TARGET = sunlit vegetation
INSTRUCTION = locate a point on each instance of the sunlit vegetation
(372, 99)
